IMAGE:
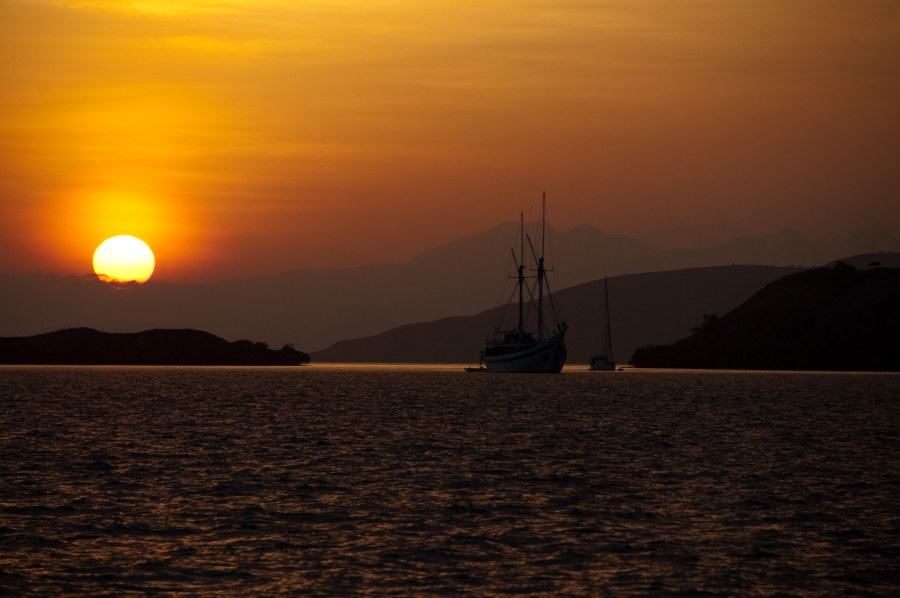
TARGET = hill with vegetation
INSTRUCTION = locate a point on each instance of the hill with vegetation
(86, 346)
(838, 318)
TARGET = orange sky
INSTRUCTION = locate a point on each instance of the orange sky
(242, 137)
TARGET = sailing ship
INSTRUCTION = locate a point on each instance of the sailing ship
(528, 351)
(604, 362)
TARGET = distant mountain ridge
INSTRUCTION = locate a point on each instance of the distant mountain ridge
(654, 305)
(838, 318)
(315, 308)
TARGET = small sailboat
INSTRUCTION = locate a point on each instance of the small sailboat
(519, 350)
(604, 361)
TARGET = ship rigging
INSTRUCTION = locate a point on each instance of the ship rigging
(520, 350)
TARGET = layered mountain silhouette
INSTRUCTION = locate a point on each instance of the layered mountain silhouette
(85, 346)
(838, 318)
(315, 308)
(656, 305)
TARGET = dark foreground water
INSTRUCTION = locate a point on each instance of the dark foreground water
(335, 481)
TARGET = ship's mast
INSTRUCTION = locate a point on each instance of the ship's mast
(522, 272)
(608, 335)
(540, 272)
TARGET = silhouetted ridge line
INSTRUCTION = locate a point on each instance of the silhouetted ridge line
(654, 307)
(838, 318)
(86, 346)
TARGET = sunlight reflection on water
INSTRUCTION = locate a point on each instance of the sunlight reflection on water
(337, 479)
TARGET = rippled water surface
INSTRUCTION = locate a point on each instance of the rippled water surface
(341, 481)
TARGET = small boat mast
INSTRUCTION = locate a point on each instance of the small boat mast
(608, 347)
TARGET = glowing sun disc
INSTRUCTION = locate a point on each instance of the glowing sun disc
(123, 259)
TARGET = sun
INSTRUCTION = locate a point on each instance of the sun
(123, 259)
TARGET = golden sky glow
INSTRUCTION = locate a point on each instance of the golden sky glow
(240, 137)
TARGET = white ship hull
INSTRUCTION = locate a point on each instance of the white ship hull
(543, 357)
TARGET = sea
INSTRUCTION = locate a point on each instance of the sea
(426, 480)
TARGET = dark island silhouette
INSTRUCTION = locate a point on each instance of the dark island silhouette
(86, 346)
(838, 318)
